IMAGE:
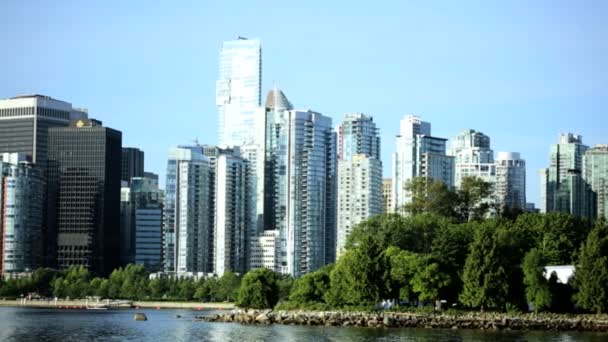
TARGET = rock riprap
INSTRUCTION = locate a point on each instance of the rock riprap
(470, 320)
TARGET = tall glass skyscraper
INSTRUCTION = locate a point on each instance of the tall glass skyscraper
(562, 186)
(21, 218)
(238, 90)
(300, 185)
(595, 172)
(188, 232)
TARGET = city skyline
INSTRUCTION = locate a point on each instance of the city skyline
(522, 85)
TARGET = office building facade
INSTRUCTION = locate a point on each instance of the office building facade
(132, 163)
(142, 223)
(84, 170)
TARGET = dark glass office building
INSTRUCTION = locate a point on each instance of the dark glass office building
(84, 173)
(132, 163)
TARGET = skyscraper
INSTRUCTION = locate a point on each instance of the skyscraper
(21, 214)
(132, 163)
(84, 164)
(275, 160)
(231, 214)
(188, 244)
(25, 120)
(238, 90)
(142, 226)
(359, 185)
(418, 154)
(595, 173)
(562, 186)
(510, 185)
(359, 194)
(309, 235)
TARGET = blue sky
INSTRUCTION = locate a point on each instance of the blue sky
(519, 71)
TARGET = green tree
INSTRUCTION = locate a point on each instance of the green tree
(429, 196)
(414, 234)
(557, 235)
(311, 288)
(403, 267)
(591, 275)
(361, 276)
(484, 275)
(285, 283)
(473, 199)
(187, 288)
(538, 292)
(229, 284)
(449, 250)
(259, 290)
(428, 280)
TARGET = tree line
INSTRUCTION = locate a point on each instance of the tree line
(451, 245)
(457, 246)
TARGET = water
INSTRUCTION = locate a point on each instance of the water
(32, 324)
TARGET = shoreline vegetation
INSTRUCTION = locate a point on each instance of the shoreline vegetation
(82, 303)
(451, 250)
(442, 320)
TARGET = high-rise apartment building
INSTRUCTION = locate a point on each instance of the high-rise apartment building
(418, 154)
(238, 90)
(563, 188)
(275, 161)
(359, 194)
(387, 196)
(358, 134)
(359, 185)
(510, 184)
(188, 230)
(132, 163)
(21, 214)
(232, 214)
(311, 192)
(595, 173)
(300, 185)
(84, 166)
(473, 156)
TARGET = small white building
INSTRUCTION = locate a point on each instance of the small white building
(564, 272)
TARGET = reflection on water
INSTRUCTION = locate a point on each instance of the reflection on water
(28, 324)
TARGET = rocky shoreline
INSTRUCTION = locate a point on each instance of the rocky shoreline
(470, 320)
